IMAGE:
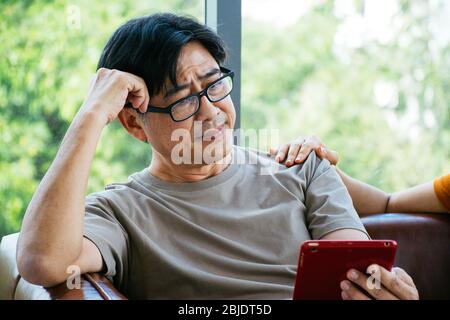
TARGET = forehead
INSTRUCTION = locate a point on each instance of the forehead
(194, 60)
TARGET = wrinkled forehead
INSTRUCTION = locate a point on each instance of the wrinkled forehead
(193, 64)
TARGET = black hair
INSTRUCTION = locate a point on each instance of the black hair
(149, 47)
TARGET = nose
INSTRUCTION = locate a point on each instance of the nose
(208, 111)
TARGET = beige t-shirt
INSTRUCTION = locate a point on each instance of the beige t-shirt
(232, 236)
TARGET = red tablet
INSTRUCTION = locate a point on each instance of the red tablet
(323, 264)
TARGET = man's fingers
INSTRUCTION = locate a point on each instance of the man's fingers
(144, 105)
(395, 283)
(138, 93)
(136, 102)
(404, 276)
(370, 284)
(350, 292)
(292, 154)
(282, 152)
(384, 285)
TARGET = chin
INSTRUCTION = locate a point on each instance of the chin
(215, 151)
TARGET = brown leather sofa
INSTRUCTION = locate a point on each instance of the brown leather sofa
(424, 252)
(423, 248)
(13, 287)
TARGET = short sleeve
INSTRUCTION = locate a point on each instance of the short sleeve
(442, 190)
(329, 205)
(104, 230)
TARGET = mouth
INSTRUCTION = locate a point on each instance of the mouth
(213, 134)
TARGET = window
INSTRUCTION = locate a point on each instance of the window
(369, 77)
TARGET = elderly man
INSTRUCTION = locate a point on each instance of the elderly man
(203, 227)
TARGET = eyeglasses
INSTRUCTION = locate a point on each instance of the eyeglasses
(186, 107)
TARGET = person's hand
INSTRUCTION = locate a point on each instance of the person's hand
(381, 285)
(110, 90)
(296, 151)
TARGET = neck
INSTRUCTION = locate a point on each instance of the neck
(165, 170)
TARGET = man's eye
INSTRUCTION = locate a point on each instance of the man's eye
(217, 86)
(187, 101)
(177, 96)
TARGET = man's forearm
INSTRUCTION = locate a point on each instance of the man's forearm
(52, 229)
(345, 234)
(366, 198)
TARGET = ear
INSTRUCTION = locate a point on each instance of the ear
(129, 119)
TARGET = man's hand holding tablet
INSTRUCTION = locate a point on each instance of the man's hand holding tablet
(351, 270)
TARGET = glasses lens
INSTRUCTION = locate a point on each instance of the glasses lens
(185, 108)
(220, 89)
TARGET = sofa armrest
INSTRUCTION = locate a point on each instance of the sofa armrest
(94, 286)
(423, 248)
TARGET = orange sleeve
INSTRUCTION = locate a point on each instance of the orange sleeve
(442, 190)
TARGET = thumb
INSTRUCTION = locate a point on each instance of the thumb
(329, 154)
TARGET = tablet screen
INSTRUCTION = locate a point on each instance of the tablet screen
(323, 264)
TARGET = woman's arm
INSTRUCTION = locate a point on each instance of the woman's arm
(368, 199)
(421, 198)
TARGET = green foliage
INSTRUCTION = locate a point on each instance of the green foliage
(294, 81)
(46, 65)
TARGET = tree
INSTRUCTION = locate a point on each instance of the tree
(296, 80)
(49, 52)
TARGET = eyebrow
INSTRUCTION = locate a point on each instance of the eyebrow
(180, 87)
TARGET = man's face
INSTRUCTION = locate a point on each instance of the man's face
(196, 70)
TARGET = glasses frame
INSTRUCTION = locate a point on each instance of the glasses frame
(226, 73)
